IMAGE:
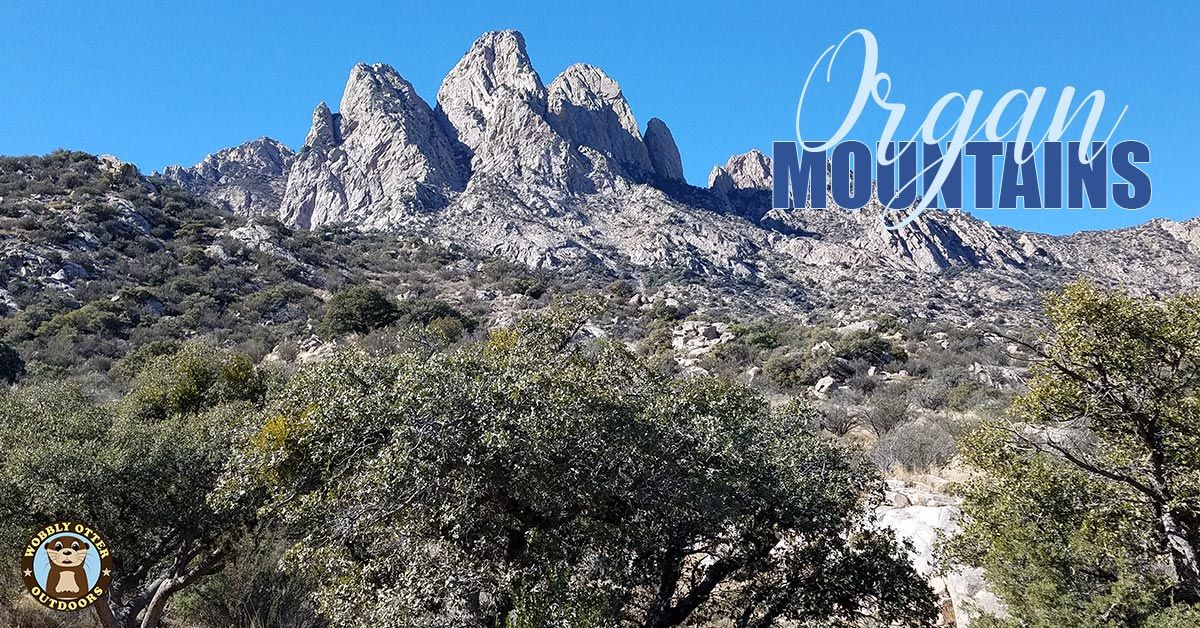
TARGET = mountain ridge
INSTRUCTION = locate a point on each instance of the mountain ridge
(557, 174)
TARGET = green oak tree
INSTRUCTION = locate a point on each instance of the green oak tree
(11, 364)
(533, 479)
(1087, 510)
(358, 310)
(140, 470)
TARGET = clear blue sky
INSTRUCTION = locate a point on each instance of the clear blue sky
(164, 83)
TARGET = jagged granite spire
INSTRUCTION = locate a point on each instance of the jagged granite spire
(496, 105)
(747, 171)
(493, 72)
(323, 134)
(663, 153)
(587, 107)
(383, 155)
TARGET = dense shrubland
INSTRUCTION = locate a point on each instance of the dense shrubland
(334, 428)
(109, 263)
(531, 478)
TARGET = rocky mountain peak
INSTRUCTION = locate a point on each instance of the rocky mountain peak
(246, 179)
(261, 156)
(263, 153)
(587, 107)
(663, 153)
(382, 156)
(495, 104)
(747, 171)
(555, 176)
(377, 89)
(494, 71)
(386, 153)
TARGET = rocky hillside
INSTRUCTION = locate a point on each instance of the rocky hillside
(99, 261)
(248, 180)
(561, 174)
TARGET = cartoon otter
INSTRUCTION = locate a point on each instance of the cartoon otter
(67, 579)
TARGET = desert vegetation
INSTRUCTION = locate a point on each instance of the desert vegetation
(277, 427)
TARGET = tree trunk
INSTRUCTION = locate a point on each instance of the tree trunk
(158, 603)
(105, 615)
(756, 545)
(149, 611)
(668, 584)
(1181, 539)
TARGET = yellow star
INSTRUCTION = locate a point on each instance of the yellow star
(107, 572)
(28, 573)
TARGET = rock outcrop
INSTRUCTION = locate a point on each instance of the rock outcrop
(918, 512)
(692, 340)
(493, 75)
(663, 153)
(747, 171)
(588, 108)
(496, 105)
(382, 156)
(248, 179)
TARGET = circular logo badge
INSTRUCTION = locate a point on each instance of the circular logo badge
(67, 566)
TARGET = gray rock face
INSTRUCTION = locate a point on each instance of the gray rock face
(944, 240)
(747, 171)
(720, 181)
(248, 179)
(587, 107)
(496, 105)
(920, 513)
(956, 240)
(382, 156)
(323, 134)
(663, 153)
(495, 73)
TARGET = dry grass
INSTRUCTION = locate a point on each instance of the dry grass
(22, 611)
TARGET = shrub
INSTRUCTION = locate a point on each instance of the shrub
(916, 446)
(422, 312)
(968, 395)
(144, 478)
(932, 394)
(191, 379)
(252, 591)
(11, 364)
(869, 347)
(358, 310)
(661, 310)
(133, 362)
(1090, 512)
(791, 370)
(786, 370)
(758, 334)
(888, 410)
(446, 328)
(836, 419)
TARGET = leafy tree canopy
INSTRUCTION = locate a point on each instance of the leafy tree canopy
(11, 364)
(140, 470)
(534, 480)
(1088, 509)
(358, 310)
